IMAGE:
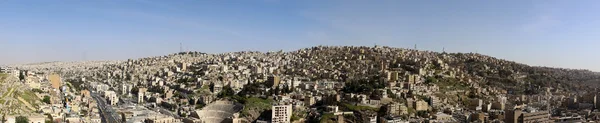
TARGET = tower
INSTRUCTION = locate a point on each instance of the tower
(180, 47)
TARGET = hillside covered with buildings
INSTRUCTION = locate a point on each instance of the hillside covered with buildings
(319, 84)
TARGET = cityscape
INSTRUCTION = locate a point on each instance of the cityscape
(318, 84)
(278, 61)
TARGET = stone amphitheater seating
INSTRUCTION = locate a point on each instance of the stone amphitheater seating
(219, 111)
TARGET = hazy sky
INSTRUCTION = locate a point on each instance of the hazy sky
(541, 32)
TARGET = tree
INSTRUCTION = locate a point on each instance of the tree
(135, 90)
(226, 92)
(3, 118)
(21, 76)
(211, 86)
(431, 80)
(46, 99)
(22, 119)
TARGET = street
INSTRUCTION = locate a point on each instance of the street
(109, 115)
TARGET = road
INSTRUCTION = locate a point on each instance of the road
(109, 115)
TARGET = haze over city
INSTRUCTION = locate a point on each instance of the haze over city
(541, 33)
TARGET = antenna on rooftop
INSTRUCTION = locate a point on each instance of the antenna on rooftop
(180, 47)
(444, 49)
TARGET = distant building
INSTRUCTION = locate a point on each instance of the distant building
(281, 114)
(37, 119)
(140, 97)
(371, 119)
(434, 101)
(55, 80)
(518, 116)
(476, 104)
(412, 79)
(421, 105)
(112, 97)
(309, 101)
(403, 109)
(160, 119)
(537, 117)
(125, 89)
(393, 120)
(393, 109)
(498, 105)
(441, 117)
(273, 81)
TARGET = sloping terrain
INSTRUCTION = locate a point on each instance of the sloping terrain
(17, 98)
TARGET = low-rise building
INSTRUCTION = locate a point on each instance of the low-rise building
(421, 105)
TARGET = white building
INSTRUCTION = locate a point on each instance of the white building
(281, 114)
(111, 97)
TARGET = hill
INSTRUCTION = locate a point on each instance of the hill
(15, 99)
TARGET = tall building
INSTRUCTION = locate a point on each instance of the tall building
(394, 75)
(512, 116)
(309, 101)
(393, 109)
(112, 97)
(141, 93)
(125, 89)
(273, 81)
(281, 114)
(434, 101)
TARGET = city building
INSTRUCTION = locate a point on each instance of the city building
(160, 119)
(281, 114)
(519, 116)
(111, 97)
(421, 105)
(273, 81)
(393, 109)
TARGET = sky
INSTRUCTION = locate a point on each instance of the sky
(553, 33)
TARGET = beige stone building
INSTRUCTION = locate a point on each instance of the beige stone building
(421, 105)
(281, 114)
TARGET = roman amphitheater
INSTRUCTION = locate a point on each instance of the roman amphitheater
(219, 112)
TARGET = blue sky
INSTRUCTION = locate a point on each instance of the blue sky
(538, 32)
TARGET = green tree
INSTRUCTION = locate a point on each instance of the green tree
(135, 90)
(46, 99)
(212, 87)
(3, 118)
(431, 80)
(22, 119)
(21, 76)
(226, 92)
